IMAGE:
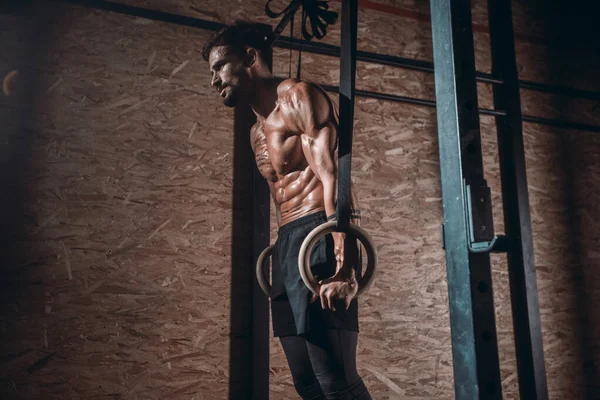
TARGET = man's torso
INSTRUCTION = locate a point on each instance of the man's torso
(280, 158)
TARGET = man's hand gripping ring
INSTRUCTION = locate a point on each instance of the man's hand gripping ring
(262, 270)
(322, 230)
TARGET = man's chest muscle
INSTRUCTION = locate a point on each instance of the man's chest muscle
(277, 151)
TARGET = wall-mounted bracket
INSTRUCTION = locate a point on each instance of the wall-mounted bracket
(480, 221)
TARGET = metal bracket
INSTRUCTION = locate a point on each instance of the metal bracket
(480, 221)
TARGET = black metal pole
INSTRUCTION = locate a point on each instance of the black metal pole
(321, 48)
(517, 220)
(472, 319)
(261, 223)
(347, 83)
(482, 111)
(249, 343)
(325, 49)
(260, 323)
(425, 66)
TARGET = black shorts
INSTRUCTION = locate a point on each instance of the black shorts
(291, 310)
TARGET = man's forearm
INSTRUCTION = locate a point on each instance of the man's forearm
(329, 189)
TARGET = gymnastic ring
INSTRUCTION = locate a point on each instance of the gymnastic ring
(322, 230)
(262, 270)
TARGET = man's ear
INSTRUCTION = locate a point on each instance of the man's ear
(251, 57)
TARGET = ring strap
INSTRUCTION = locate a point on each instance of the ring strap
(355, 214)
(346, 114)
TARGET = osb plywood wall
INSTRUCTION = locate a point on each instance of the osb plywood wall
(117, 282)
(121, 287)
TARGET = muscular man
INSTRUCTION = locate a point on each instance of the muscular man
(295, 145)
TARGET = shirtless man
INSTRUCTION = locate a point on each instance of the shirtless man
(295, 146)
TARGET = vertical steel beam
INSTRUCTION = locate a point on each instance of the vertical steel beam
(249, 341)
(517, 221)
(472, 320)
(260, 240)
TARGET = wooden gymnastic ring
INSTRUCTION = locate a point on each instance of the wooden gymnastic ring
(322, 230)
(262, 270)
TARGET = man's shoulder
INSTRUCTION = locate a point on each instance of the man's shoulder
(304, 101)
(294, 94)
(290, 87)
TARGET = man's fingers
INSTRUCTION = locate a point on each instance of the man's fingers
(315, 296)
(330, 296)
(332, 289)
(327, 299)
(348, 300)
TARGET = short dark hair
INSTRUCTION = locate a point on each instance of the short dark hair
(239, 37)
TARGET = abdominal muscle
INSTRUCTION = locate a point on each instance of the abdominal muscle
(297, 194)
(295, 189)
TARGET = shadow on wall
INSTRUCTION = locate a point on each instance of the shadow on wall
(18, 101)
(576, 57)
(25, 45)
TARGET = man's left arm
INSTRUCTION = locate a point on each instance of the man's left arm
(313, 115)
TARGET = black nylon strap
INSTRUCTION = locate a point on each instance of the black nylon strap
(347, 84)
(291, 36)
(288, 14)
(355, 215)
(316, 16)
(299, 70)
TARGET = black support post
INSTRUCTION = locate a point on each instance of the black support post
(521, 264)
(347, 91)
(260, 322)
(249, 345)
(465, 198)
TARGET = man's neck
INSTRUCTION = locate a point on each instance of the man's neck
(264, 96)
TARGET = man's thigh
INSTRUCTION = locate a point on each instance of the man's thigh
(333, 355)
(305, 381)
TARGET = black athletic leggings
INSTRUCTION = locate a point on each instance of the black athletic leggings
(324, 366)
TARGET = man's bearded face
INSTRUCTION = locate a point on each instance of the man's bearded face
(229, 75)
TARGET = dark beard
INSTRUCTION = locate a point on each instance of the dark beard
(230, 99)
